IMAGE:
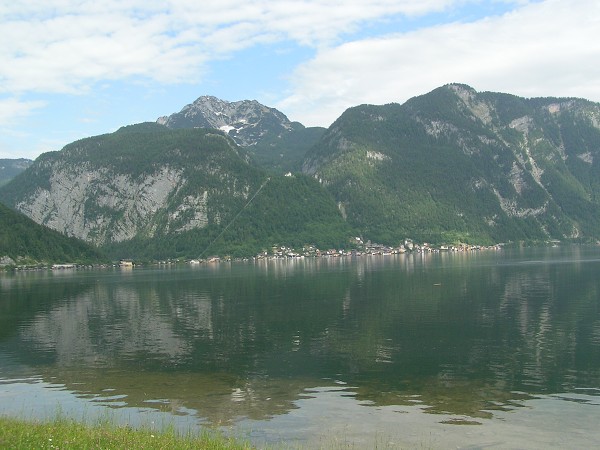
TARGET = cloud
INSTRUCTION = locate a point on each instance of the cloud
(13, 109)
(65, 46)
(548, 48)
(68, 53)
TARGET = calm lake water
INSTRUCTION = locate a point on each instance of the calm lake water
(491, 349)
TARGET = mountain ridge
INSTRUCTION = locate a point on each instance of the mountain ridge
(10, 168)
(268, 136)
(527, 167)
(452, 165)
(146, 183)
(237, 119)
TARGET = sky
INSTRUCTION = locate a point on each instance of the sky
(76, 68)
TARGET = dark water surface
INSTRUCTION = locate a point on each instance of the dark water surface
(498, 349)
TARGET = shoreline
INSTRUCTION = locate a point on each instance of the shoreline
(67, 433)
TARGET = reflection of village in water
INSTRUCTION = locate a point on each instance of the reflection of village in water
(460, 335)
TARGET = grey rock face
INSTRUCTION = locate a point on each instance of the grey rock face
(134, 183)
(246, 121)
(100, 206)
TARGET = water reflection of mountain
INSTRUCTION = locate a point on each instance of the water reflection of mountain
(23, 295)
(454, 334)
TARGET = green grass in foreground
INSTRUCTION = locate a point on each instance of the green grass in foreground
(67, 434)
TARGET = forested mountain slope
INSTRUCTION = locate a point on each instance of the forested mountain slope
(10, 168)
(453, 165)
(24, 241)
(149, 191)
(456, 164)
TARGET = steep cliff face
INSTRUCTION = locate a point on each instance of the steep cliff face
(115, 187)
(98, 204)
(456, 162)
(150, 192)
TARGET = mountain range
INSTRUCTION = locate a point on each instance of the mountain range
(453, 165)
(149, 191)
(10, 168)
(456, 164)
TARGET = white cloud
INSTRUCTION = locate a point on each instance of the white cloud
(13, 109)
(549, 48)
(545, 47)
(69, 52)
(67, 45)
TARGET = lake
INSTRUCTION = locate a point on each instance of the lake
(470, 350)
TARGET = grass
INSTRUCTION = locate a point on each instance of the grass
(61, 433)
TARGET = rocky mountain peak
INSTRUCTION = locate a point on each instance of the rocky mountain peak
(246, 121)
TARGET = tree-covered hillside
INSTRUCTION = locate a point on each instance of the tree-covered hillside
(285, 152)
(458, 165)
(24, 241)
(291, 211)
(152, 192)
(10, 168)
(453, 165)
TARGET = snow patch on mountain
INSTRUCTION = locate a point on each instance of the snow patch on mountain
(245, 121)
